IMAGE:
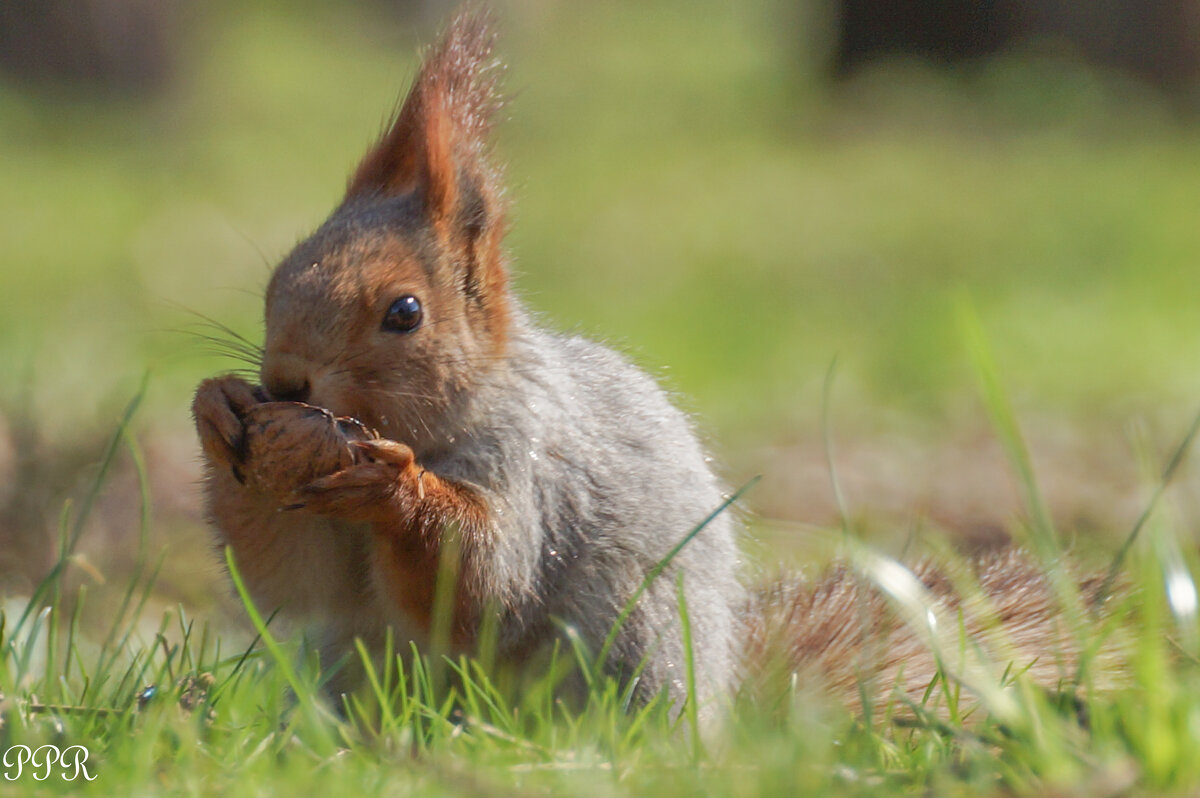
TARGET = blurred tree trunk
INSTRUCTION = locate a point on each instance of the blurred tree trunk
(1155, 40)
(120, 46)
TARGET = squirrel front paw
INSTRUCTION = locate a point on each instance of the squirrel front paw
(368, 490)
(219, 408)
(272, 448)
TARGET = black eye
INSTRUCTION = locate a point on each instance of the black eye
(404, 315)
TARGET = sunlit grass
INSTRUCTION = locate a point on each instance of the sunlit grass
(170, 708)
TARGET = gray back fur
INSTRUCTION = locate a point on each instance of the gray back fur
(593, 476)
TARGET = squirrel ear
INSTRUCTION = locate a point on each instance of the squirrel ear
(437, 143)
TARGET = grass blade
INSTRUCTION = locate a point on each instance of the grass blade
(656, 571)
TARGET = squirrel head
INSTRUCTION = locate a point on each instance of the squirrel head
(398, 305)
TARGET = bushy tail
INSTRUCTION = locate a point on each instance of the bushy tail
(841, 634)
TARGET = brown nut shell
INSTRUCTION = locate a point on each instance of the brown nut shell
(289, 444)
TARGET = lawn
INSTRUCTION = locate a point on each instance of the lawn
(906, 266)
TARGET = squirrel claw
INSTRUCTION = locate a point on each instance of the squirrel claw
(384, 451)
(354, 493)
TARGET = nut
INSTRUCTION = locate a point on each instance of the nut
(289, 444)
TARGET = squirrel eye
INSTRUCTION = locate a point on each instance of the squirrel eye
(404, 315)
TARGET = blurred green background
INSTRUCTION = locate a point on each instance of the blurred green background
(689, 187)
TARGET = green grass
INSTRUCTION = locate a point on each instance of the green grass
(251, 720)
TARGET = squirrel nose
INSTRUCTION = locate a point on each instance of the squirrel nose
(289, 393)
(286, 379)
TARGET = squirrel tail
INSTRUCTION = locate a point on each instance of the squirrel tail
(842, 635)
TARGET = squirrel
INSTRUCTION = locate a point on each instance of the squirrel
(560, 474)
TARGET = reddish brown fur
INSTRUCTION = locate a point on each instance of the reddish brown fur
(841, 633)
(385, 267)
(410, 547)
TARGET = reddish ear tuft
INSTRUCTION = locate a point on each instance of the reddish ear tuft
(439, 137)
(436, 149)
